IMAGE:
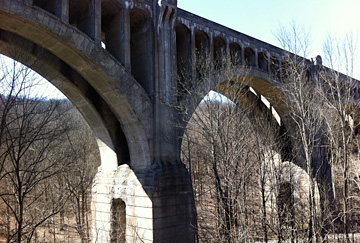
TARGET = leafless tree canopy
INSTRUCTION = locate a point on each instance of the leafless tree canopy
(256, 180)
(47, 161)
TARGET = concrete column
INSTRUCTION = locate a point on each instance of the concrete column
(269, 62)
(117, 37)
(96, 16)
(227, 49)
(280, 70)
(242, 54)
(256, 58)
(193, 53)
(322, 173)
(168, 181)
(126, 37)
(166, 139)
(173, 205)
(62, 10)
(210, 51)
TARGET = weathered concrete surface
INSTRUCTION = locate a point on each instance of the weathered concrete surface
(118, 62)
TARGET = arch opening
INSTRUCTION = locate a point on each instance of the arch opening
(219, 150)
(287, 187)
(263, 61)
(235, 54)
(183, 52)
(202, 44)
(250, 58)
(219, 46)
(273, 100)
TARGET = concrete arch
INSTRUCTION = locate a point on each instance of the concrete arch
(261, 82)
(264, 85)
(258, 79)
(284, 69)
(202, 43)
(260, 116)
(110, 8)
(69, 83)
(102, 72)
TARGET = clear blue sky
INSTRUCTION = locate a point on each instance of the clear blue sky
(261, 18)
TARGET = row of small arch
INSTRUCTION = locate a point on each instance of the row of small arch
(220, 49)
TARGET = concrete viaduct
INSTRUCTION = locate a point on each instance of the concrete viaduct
(118, 62)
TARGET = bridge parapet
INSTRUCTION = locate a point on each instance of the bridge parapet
(199, 33)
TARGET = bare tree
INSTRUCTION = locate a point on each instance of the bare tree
(341, 114)
(31, 129)
(324, 110)
(223, 171)
(225, 147)
(248, 185)
(78, 180)
(294, 39)
(301, 84)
